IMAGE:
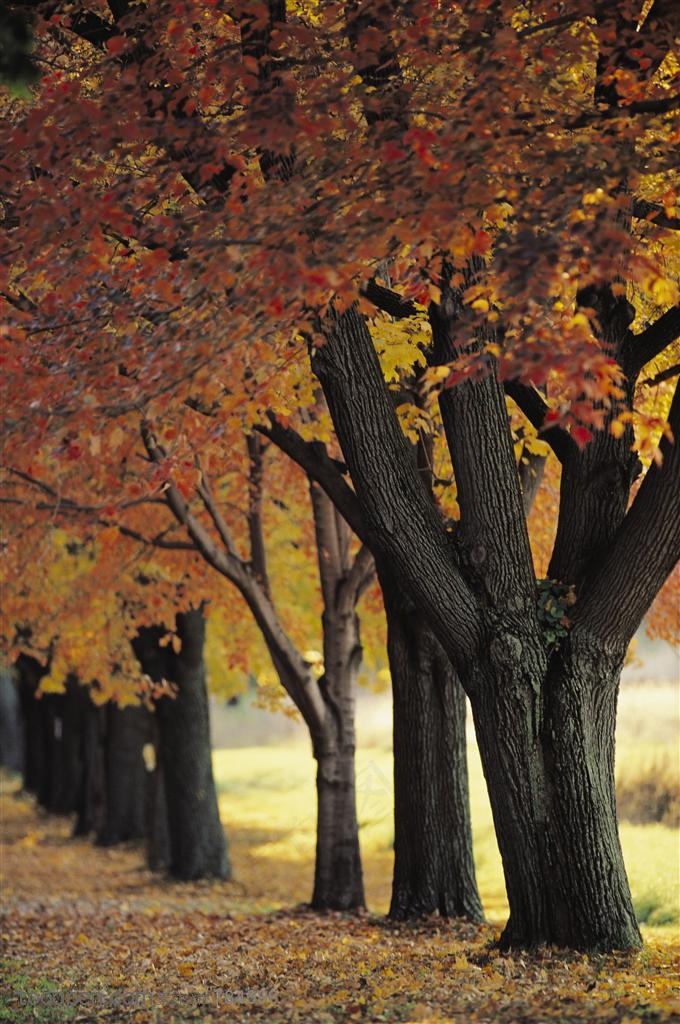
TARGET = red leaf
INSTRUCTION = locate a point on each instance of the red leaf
(581, 435)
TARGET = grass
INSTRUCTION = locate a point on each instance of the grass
(269, 791)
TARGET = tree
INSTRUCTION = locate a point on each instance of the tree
(433, 864)
(196, 843)
(525, 206)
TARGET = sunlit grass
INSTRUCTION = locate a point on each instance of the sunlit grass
(268, 804)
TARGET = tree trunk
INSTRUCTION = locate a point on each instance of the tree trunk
(591, 905)
(34, 727)
(198, 847)
(433, 864)
(158, 851)
(338, 875)
(90, 800)
(11, 738)
(127, 731)
(548, 757)
(66, 766)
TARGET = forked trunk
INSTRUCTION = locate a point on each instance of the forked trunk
(433, 864)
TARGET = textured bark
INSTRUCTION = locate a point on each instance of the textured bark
(590, 901)
(433, 864)
(185, 785)
(544, 718)
(433, 872)
(338, 875)
(124, 818)
(547, 747)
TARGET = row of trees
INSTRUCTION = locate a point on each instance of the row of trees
(396, 242)
(132, 772)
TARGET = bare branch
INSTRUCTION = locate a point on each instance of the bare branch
(219, 522)
(359, 578)
(545, 26)
(388, 300)
(654, 339)
(643, 552)
(535, 408)
(667, 374)
(258, 549)
(313, 457)
(654, 214)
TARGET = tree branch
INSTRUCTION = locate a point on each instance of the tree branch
(313, 457)
(654, 214)
(531, 402)
(360, 576)
(643, 552)
(403, 526)
(653, 340)
(667, 374)
(388, 300)
(258, 549)
(291, 668)
(492, 530)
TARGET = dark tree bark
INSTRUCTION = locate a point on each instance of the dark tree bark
(185, 785)
(64, 713)
(35, 744)
(90, 799)
(544, 715)
(158, 850)
(338, 874)
(434, 869)
(11, 732)
(126, 733)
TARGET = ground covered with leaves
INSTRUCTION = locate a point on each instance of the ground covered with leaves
(88, 934)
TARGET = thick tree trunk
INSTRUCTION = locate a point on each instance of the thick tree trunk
(548, 756)
(197, 842)
(591, 905)
(127, 731)
(433, 864)
(185, 786)
(338, 875)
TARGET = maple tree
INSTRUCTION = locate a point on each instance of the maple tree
(224, 186)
